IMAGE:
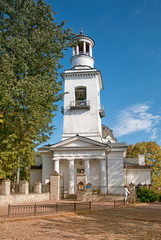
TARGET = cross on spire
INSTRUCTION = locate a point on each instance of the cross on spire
(81, 32)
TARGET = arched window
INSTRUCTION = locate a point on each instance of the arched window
(80, 96)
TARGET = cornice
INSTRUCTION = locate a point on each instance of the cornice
(73, 74)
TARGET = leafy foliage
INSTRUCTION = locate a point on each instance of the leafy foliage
(152, 153)
(147, 195)
(32, 44)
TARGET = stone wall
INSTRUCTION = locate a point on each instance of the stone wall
(23, 198)
(132, 195)
(7, 196)
(137, 176)
(55, 193)
(99, 197)
(5, 187)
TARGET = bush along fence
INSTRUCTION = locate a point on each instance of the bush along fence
(36, 209)
(147, 195)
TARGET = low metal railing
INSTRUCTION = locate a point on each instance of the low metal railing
(28, 210)
(80, 104)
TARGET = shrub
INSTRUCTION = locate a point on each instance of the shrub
(96, 190)
(159, 195)
(147, 195)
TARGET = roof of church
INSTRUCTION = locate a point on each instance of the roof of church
(82, 35)
(137, 167)
(107, 132)
(77, 136)
(133, 163)
(115, 145)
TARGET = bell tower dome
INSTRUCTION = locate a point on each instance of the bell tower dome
(82, 52)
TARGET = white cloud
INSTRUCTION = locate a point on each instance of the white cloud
(137, 118)
(154, 133)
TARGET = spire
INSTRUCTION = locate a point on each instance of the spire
(81, 32)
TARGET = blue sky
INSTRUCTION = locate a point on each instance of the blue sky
(127, 51)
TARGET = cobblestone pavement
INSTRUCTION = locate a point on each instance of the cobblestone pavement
(141, 222)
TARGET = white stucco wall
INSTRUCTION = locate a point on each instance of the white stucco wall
(95, 172)
(48, 167)
(79, 154)
(83, 60)
(35, 175)
(115, 175)
(82, 121)
(137, 176)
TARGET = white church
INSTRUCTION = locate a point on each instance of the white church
(88, 147)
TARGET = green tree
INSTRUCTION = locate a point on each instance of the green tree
(32, 44)
(152, 153)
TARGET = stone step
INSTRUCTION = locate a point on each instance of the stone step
(70, 196)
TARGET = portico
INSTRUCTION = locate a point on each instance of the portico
(74, 168)
(83, 159)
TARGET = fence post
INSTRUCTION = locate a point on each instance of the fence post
(56, 207)
(114, 202)
(9, 208)
(75, 206)
(35, 209)
(89, 205)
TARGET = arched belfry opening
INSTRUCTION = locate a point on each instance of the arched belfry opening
(80, 96)
(84, 48)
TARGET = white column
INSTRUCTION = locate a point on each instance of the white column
(77, 50)
(71, 176)
(87, 169)
(84, 47)
(56, 165)
(103, 176)
(73, 51)
(90, 50)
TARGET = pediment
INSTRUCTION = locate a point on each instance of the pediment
(78, 142)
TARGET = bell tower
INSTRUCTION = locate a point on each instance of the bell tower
(82, 107)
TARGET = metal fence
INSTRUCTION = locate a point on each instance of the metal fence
(36, 209)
